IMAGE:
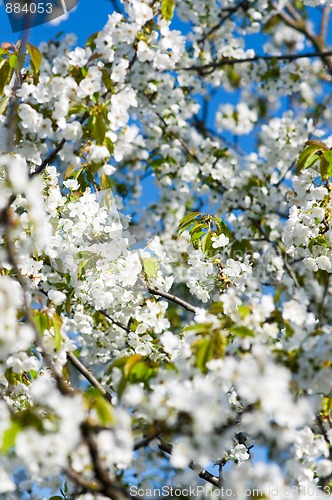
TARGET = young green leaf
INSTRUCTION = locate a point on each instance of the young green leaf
(105, 182)
(187, 221)
(167, 9)
(35, 55)
(151, 266)
(5, 74)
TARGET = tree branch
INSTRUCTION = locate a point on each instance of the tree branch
(142, 443)
(62, 384)
(281, 250)
(81, 481)
(324, 23)
(114, 321)
(109, 488)
(172, 298)
(300, 26)
(244, 5)
(202, 473)
(88, 375)
(225, 61)
(52, 155)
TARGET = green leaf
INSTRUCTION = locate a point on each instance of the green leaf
(320, 241)
(41, 321)
(222, 227)
(206, 243)
(69, 171)
(204, 352)
(91, 40)
(4, 105)
(122, 385)
(105, 182)
(131, 362)
(196, 235)
(57, 323)
(13, 61)
(328, 155)
(35, 55)
(3, 52)
(118, 363)
(216, 308)
(324, 168)
(5, 74)
(240, 248)
(326, 165)
(167, 9)
(99, 129)
(187, 221)
(244, 311)
(198, 328)
(81, 268)
(9, 436)
(308, 157)
(109, 144)
(141, 372)
(242, 331)
(151, 266)
(104, 411)
(33, 374)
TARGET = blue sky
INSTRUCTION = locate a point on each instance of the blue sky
(88, 17)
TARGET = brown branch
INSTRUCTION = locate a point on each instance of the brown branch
(300, 26)
(293, 13)
(88, 375)
(114, 321)
(228, 14)
(81, 481)
(172, 298)
(225, 61)
(202, 473)
(142, 443)
(62, 384)
(49, 158)
(277, 245)
(52, 155)
(109, 487)
(324, 23)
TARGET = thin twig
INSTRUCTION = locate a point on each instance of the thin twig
(324, 298)
(172, 298)
(293, 12)
(86, 484)
(88, 375)
(302, 27)
(114, 321)
(110, 488)
(49, 158)
(52, 155)
(229, 12)
(62, 384)
(225, 61)
(142, 443)
(281, 250)
(324, 23)
(202, 473)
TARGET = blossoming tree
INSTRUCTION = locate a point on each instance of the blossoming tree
(145, 345)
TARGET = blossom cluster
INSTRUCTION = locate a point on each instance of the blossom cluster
(165, 297)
